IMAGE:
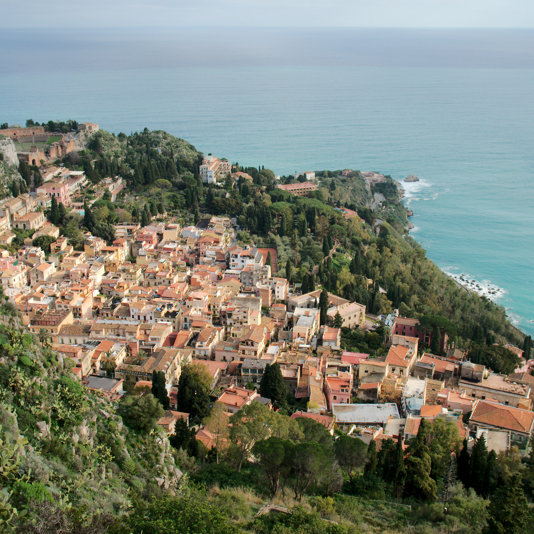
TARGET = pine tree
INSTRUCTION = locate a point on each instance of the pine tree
(272, 385)
(269, 260)
(338, 321)
(508, 509)
(478, 464)
(323, 306)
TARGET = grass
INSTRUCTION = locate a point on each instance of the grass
(53, 139)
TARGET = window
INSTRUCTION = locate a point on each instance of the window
(335, 398)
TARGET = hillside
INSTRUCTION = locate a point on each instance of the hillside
(62, 443)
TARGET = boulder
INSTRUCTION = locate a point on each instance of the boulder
(411, 178)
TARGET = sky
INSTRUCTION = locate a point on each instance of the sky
(267, 13)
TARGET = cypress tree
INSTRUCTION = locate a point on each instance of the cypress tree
(372, 459)
(269, 260)
(88, 217)
(272, 385)
(508, 509)
(463, 465)
(490, 481)
(289, 271)
(478, 464)
(338, 321)
(326, 250)
(62, 212)
(323, 306)
(398, 468)
(54, 211)
(144, 218)
(527, 348)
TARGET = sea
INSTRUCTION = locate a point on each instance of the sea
(453, 107)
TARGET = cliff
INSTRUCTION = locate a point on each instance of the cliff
(9, 163)
(7, 149)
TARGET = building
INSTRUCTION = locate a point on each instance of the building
(58, 190)
(348, 415)
(213, 169)
(497, 388)
(31, 221)
(299, 190)
(491, 415)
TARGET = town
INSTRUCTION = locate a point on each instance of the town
(162, 296)
(186, 324)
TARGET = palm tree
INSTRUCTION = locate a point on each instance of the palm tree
(44, 338)
(108, 364)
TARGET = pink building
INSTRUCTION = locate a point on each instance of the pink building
(338, 389)
(58, 190)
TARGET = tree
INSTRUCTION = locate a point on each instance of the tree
(398, 469)
(192, 397)
(323, 306)
(217, 424)
(159, 388)
(508, 509)
(272, 385)
(351, 454)
(477, 465)
(419, 466)
(312, 431)
(140, 412)
(372, 458)
(184, 438)
(54, 212)
(183, 514)
(145, 219)
(338, 321)
(269, 261)
(490, 477)
(274, 458)
(527, 347)
(463, 465)
(88, 217)
(289, 271)
(62, 212)
(310, 463)
(108, 364)
(249, 426)
(442, 437)
(44, 242)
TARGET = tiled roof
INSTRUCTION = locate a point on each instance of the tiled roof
(501, 416)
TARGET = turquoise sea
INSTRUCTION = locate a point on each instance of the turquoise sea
(455, 108)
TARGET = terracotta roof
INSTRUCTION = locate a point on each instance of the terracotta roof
(325, 420)
(430, 411)
(396, 356)
(501, 416)
(412, 425)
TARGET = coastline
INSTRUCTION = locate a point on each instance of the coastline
(407, 192)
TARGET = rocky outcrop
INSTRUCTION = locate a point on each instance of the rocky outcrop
(411, 178)
(7, 149)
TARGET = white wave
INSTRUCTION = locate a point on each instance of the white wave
(483, 288)
(412, 188)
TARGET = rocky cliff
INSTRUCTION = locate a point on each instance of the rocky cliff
(7, 149)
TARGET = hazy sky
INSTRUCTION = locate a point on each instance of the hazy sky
(272, 13)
